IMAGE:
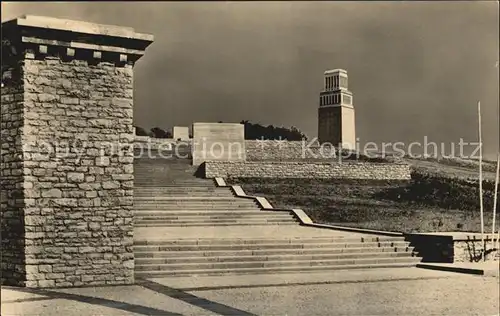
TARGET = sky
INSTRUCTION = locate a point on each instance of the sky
(416, 69)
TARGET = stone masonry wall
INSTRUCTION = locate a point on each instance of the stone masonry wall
(452, 247)
(470, 249)
(272, 150)
(78, 190)
(346, 170)
(11, 179)
(307, 151)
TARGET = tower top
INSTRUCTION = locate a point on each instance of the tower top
(336, 71)
(336, 80)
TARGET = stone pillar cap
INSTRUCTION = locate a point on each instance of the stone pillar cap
(30, 31)
(333, 71)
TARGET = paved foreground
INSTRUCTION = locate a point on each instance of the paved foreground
(403, 291)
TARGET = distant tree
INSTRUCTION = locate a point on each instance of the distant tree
(258, 131)
(139, 131)
(159, 133)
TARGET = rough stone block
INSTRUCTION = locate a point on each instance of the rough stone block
(218, 142)
(180, 132)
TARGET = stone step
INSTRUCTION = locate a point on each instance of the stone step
(194, 205)
(158, 175)
(179, 208)
(270, 245)
(184, 194)
(156, 159)
(215, 224)
(186, 211)
(179, 179)
(175, 190)
(173, 160)
(212, 217)
(140, 192)
(267, 252)
(170, 182)
(195, 199)
(269, 258)
(169, 158)
(166, 175)
(182, 190)
(162, 165)
(190, 188)
(179, 164)
(154, 183)
(182, 201)
(212, 214)
(273, 264)
(372, 239)
(209, 220)
(179, 182)
(162, 172)
(276, 240)
(197, 206)
(274, 270)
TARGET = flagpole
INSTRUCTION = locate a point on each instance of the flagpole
(481, 178)
(495, 197)
(495, 204)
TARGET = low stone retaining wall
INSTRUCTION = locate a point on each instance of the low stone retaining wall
(452, 247)
(272, 150)
(305, 151)
(468, 248)
(318, 170)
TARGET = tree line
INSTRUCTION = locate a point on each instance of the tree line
(252, 131)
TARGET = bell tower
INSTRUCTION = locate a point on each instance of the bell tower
(336, 123)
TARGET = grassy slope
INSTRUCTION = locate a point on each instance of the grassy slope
(439, 200)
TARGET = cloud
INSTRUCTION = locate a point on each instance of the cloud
(416, 68)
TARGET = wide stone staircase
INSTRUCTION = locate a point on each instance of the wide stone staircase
(186, 226)
(241, 256)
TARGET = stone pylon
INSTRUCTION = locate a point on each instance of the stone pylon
(66, 159)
